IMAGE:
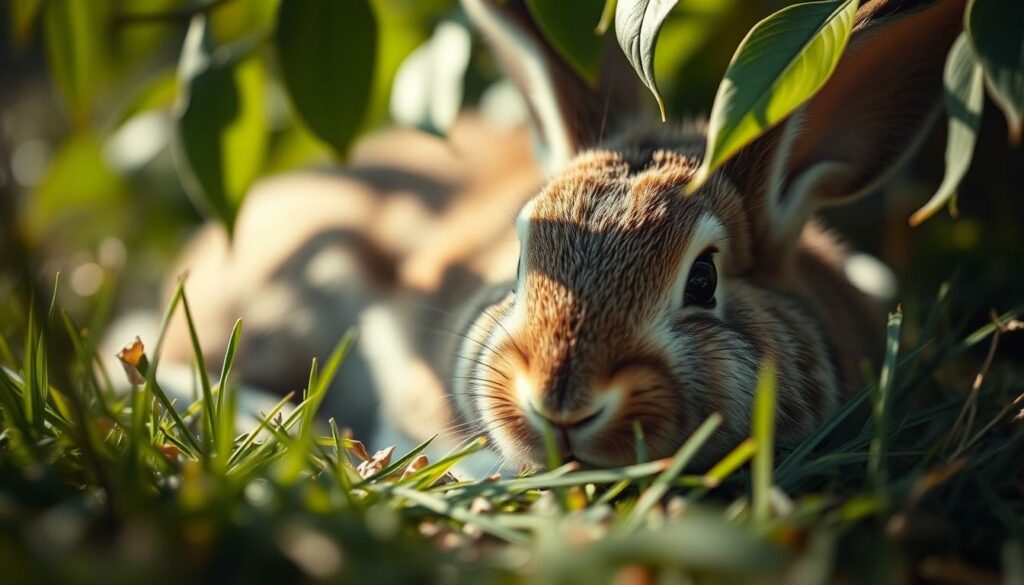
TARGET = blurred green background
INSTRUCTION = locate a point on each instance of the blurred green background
(87, 119)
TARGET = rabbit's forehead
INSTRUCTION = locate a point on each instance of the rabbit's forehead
(602, 191)
(606, 230)
(606, 200)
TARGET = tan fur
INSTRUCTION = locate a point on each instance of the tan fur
(605, 240)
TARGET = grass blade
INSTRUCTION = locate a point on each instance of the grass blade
(263, 424)
(663, 482)
(764, 437)
(209, 409)
(881, 400)
(315, 392)
(439, 506)
(227, 401)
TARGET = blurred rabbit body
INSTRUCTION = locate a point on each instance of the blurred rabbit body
(392, 244)
(617, 301)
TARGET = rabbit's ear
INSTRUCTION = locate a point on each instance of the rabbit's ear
(867, 119)
(567, 114)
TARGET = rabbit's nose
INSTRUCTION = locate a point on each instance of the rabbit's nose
(578, 417)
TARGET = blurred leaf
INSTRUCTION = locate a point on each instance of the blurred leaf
(79, 197)
(688, 32)
(222, 132)
(996, 29)
(784, 60)
(402, 27)
(327, 51)
(134, 43)
(569, 26)
(427, 90)
(77, 50)
(294, 148)
(703, 541)
(607, 17)
(159, 92)
(23, 19)
(965, 97)
(637, 24)
(236, 20)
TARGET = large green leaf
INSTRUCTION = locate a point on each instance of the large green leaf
(965, 96)
(221, 119)
(569, 26)
(637, 24)
(996, 29)
(78, 50)
(327, 51)
(784, 60)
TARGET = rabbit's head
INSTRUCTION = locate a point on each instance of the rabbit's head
(636, 307)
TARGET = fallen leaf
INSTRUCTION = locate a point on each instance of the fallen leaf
(415, 465)
(132, 356)
(375, 464)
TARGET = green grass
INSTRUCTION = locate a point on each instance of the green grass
(96, 486)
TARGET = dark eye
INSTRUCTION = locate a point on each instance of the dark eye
(702, 281)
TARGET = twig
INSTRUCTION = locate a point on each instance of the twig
(970, 408)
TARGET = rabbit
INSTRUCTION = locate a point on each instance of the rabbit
(498, 291)
(634, 304)
(386, 245)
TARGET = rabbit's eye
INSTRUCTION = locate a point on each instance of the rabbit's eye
(701, 284)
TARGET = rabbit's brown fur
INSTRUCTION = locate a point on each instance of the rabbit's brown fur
(598, 309)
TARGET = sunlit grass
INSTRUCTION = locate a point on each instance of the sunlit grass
(100, 485)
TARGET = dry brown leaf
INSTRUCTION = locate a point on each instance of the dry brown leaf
(375, 464)
(358, 449)
(418, 463)
(131, 355)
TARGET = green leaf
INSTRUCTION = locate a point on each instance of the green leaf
(78, 51)
(784, 60)
(637, 24)
(79, 197)
(965, 97)
(569, 26)
(159, 92)
(996, 30)
(221, 122)
(327, 51)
